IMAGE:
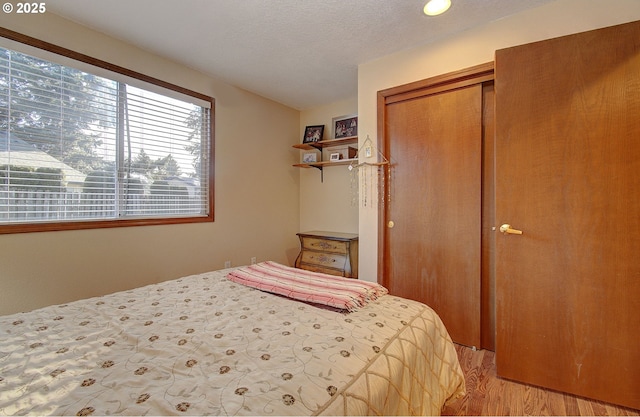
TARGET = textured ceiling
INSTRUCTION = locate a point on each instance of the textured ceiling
(301, 53)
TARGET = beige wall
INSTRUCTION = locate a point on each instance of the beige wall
(256, 194)
(330, 204)
(467, 49)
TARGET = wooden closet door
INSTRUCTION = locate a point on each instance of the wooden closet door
(432, 252)
(568, 176)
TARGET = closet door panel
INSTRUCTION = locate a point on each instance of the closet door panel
(432, 252)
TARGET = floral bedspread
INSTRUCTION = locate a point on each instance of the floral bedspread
(203, 345)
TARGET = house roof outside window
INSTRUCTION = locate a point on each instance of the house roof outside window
(17, 152)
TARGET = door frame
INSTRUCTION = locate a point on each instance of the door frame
(480, 74)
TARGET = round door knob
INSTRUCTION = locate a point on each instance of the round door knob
(390, 224)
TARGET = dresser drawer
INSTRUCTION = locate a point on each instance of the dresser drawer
(324, 245)
(330, 271)
(327, 260)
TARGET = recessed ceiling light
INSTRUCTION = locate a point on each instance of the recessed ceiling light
(436, 7)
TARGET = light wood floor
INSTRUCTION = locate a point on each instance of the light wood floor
(489, 395)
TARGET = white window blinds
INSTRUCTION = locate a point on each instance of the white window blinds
(78, 146)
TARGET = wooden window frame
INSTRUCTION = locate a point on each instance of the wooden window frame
(108, 223)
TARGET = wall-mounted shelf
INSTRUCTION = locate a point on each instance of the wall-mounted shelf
(326, 143)
(323, 164)
(322, 144)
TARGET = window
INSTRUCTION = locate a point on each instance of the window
(83, 147)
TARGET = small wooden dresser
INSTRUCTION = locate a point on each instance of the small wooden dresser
(329, 252)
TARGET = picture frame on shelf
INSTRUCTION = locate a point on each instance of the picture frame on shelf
(309, 157)
(313, 134)
(334, 156)
(344, 126)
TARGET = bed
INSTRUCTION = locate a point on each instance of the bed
(209, 345)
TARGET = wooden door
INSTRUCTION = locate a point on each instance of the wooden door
(568, 176)
(433, 251)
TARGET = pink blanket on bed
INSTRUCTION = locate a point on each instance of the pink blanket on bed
(314, 287)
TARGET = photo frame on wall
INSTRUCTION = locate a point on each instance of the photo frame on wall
(313, 134)
(344, 126)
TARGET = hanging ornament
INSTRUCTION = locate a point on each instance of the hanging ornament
(362, 176)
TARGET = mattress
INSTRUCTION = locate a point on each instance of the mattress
(204, 345)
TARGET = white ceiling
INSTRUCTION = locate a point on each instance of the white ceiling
(301, 53)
